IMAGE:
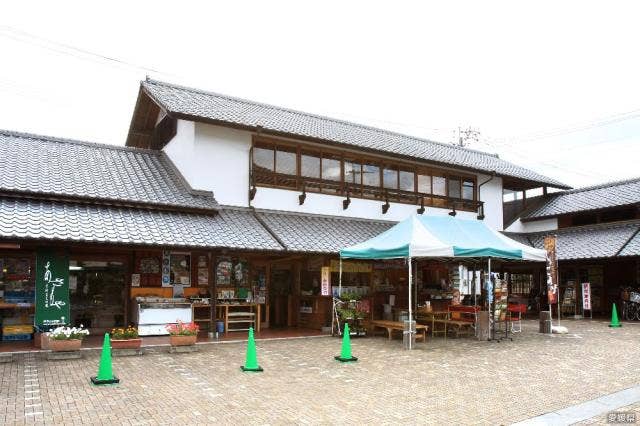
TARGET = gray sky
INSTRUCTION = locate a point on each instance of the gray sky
(553, 86)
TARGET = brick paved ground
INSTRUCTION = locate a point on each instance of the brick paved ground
(460, 381)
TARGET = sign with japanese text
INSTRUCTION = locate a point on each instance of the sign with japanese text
(325, 281)
(52, 289)
(586, 296)
(552, 269)
(350, 266)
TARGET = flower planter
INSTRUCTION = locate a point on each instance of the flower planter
(126, 343)
(69, 345)
(178, 340)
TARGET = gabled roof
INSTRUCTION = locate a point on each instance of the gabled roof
(589, 242)
(197, 105)
(64, 221)
(604, 196)
(320, 234)
(63, 168)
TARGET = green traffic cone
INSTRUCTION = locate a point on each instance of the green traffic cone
(251, 364)
(105, 374)
(614, 318)
(345, 353)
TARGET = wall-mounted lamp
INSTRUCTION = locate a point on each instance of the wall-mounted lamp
(421, 209)
(345, 203)
(453, 210)
(385, 206)
(481, 212)
(302, 196)
(252, 192)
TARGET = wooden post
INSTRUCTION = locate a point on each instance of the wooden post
(212, 290)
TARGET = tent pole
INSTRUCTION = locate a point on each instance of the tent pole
(334, 318)
(492, 324)
(410, 303)
(340, 279)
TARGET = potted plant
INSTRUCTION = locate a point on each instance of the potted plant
(182, 334)
(125, 338)
(66, 339)
(351, 309)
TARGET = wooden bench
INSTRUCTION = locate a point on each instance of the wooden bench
(458, 319)
(421, 330)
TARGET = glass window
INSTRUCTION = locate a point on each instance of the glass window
(286, 162)
(467, 189)
(352, 172)
(439, 185)
(407, 182)
(331, 169)
(310, 166)
(424, 184)
(454, 187)
(390, 178)
(370, 175)
(263, 159)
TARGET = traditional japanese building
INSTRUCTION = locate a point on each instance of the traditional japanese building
(598, 239)
(219, 201)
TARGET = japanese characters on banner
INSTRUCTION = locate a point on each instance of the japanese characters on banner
(552, 269)
(586, 296)
(325, 281)
(52, 289)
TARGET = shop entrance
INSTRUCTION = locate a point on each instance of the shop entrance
(97, 294)
(279, 293)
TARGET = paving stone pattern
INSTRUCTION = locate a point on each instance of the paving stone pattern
(460, 381)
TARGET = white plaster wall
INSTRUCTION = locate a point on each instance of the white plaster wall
(216, 158)
(282, 199)
(213, 158)
(491, 194)
(534, 226)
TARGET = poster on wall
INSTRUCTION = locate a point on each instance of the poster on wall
(325, 281)
(552, 269)
(52, 289)
(586, 296)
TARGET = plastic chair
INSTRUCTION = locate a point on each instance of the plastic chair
(516, 311)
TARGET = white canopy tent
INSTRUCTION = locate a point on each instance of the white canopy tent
(439, 237)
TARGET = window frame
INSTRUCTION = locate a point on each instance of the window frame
(342, 186)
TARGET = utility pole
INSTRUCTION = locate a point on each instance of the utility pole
(464, 136)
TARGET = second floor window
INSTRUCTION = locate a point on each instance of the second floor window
(298, 167)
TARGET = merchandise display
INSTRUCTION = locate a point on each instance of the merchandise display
(17, 297)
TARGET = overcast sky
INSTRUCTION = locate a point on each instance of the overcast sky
(553, 86)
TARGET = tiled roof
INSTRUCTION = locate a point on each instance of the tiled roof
(52, 220)
(633, 247)
(588, 242)
(320, 234)
(613, 194)
(61, 167)
(203, 105)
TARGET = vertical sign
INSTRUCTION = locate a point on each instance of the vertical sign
(166, 268)
(586, 296)
(552, 269)
(325, 281)
(52, 289)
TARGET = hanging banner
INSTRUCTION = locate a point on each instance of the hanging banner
(552, 269)
(52, 289)
(350, 266)
(325, 281)
(586, 296)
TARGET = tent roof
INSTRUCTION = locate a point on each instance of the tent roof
(441, 236)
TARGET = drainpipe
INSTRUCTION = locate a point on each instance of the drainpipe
(493, 175)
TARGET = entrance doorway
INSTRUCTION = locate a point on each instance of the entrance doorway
(97, 294)
(279, 293)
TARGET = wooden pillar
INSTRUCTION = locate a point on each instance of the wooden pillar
(212, 290)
